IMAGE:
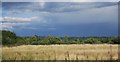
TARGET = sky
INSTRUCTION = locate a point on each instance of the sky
(60, 0)
(60, 18)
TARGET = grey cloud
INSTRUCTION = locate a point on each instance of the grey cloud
(55, 6)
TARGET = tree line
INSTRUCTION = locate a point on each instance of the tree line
(10, 38)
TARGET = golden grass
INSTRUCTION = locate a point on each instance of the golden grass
(0, 53)
(61, 52)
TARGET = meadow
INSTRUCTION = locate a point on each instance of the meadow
(61, 52)
(58, 48)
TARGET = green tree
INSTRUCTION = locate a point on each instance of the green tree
(8, 37)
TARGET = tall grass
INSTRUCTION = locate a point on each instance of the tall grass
(61, 52)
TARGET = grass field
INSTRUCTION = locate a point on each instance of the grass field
(61, 52)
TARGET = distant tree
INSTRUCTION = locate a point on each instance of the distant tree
(115, 40)
(8, 37)
(92, 41)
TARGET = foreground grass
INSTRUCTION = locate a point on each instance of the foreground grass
(61, 52)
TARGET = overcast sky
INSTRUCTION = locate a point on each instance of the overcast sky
(61, 18)
(60, 0)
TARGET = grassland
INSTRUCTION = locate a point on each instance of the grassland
(61, 52)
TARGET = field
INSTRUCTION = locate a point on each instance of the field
(61, 52)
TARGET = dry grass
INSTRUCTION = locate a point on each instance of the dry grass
(0, 53)
(61, 52)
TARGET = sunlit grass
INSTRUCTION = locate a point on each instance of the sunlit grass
(61, 52)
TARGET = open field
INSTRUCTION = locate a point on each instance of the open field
(61, 52)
